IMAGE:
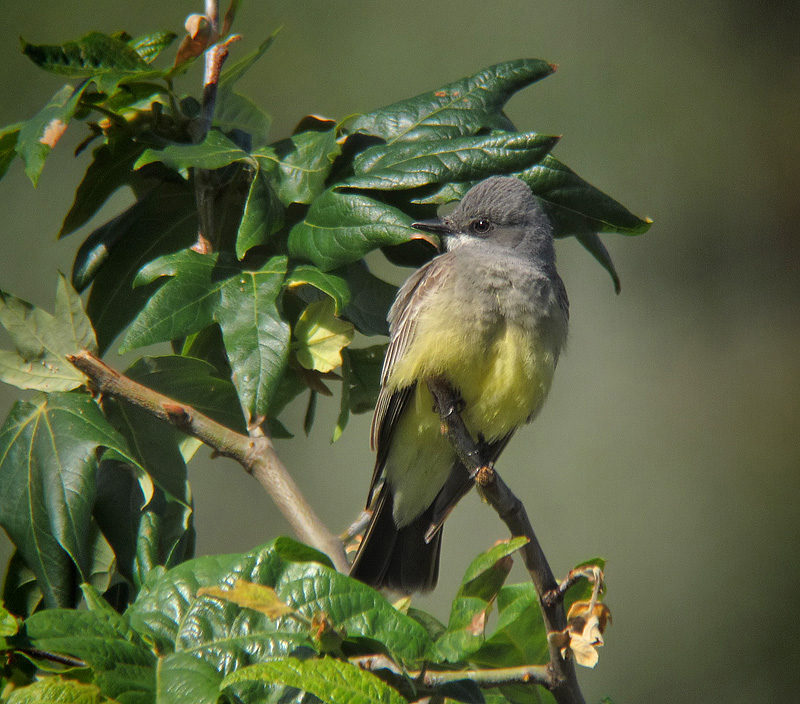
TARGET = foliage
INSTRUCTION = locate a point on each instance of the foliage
(258, 309)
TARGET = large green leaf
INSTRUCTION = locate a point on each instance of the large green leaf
(332, 681)
(304, 276)
(409, 165)
(42, 341)
(188, 300)
(458, 109)
(55, 690)
(110, 169)
(304, 161)
(164, 221)
(341, 227)
(123, 666)
(470, 610)
(237, 112)
(48, 460)
(214, 152)
(40, 134)
(256, 337)
(262, 216)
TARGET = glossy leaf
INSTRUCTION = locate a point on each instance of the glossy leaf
(237, 112)
(341, 227)
(256, 337)
(214, 152)
(333, 285)
(87, 57)
(164, 221)
(304, 161)
(457, 109)
(110, 169)
(262, 216)
(42, 341)
(184, 677)
(188, 300)
(48, 462)
(409, 165)
(42, 132)
(332, 681)
(321, 336)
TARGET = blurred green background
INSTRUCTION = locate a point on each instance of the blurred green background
(671, 440)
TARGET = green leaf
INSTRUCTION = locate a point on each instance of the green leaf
(21, 591)
(404, 165)
(149, 46)
(237, 112)
(341, 227)
(8, 624)
(233, 72)
(333, 285)
(332, 681)
(371, 299)
(256, 337)
(458, 109)
(262, 216)
(184, 677)
(214, 152)
(321, 336)
(364, 376)
(110, 169)
(42, 341)
(304, 162)
(188, 300)
(8, 146)
(87, 57)
(55, 690)
(41, 133)
(466, 629)
(163, 221)
(48, 450)
(123, 666)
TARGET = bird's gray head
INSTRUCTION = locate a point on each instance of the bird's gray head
(500, 211)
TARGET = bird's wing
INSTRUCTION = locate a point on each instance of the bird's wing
(411, 299)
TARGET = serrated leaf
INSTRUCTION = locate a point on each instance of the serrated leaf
(331, 284)
(332, 681)
(341, 227)
(164, 221)
(149, 46)
(55, 690)
(188, 300)
(457, 109)
(321, 336)
(42, 132)
(42, 341)
(304, 161)
(110, 169)
(214, 152)
(123, 666)
(262, 217)
(48, 462)
(404, 165)
(256, 336)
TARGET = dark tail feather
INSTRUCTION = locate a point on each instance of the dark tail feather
(397, 559)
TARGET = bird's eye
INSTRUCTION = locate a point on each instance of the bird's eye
(481, 226)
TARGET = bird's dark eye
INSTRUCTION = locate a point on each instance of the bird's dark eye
(481, 226)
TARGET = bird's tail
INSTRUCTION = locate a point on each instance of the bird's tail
(397, 558)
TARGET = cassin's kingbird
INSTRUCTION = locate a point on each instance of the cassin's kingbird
(489, 317)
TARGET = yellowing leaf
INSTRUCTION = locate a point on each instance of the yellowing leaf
(252, 596)
(321, 337)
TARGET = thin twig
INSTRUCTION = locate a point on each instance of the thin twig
(256, 454)
(562, 681)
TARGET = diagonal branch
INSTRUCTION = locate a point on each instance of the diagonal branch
(256, 454)
(563, 681)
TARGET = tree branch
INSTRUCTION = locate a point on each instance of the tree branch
(562, 681)
(256, 454)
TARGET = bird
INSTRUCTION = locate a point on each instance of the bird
(489, 317)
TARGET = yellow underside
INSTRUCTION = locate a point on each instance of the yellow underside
(502, 377)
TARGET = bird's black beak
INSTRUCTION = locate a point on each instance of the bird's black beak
(437, 227)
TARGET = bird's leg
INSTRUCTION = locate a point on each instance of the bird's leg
(449, 406)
